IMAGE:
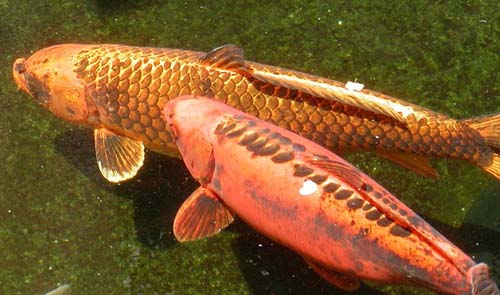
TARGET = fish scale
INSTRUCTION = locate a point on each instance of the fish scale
(148, 77)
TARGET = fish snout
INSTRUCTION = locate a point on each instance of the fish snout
(18, 70)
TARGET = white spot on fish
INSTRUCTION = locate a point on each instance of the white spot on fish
(354, 86)
(309, 187)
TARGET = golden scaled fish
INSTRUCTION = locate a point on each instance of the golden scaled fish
(119, 91)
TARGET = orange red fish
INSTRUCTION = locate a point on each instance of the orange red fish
(345, 225)
(119, 91)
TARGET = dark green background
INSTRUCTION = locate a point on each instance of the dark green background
(62, 223)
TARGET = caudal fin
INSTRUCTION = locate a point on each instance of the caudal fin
(489, 128)
(480, 280)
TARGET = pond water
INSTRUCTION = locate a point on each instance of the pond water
(62, 223)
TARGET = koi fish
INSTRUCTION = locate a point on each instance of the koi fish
(119, 91)
(345, 225)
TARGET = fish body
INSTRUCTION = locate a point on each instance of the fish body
(297, 193)
(119, 91)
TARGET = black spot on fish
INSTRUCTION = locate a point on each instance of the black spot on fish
(377, 195)
(268, 150)
(355, 203)
(298, 147)
(264, 131)
(331, 187)
(274, 135)
(216, 183)
(393, 206)
(284, 140)
(249, 138)
(373, 215)
(385, 201)
(398, 231)
(384, 221)
(282, 157)
(70, 110)
(366, 187)
(256, 145)
(367, 207)
(251, 123)
(236, 133)
(343, 194)
(318, 179)
(403, 212)
(224, 128)
(301, 171)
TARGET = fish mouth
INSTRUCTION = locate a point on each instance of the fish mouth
(18, 70)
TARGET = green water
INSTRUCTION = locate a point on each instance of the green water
(62, 223)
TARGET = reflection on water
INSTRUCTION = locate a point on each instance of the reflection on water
(62, 223)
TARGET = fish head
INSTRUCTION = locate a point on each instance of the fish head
(48, 77)
(192, 122)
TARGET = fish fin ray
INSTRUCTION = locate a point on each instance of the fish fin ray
(339, 169)
(228, 57)
(489, 128)
(494, 167)
(340, 280)
(403, 112)
(201, 215)
(480, 280)
(118, 157)
(417, 163)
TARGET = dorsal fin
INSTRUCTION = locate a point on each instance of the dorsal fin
(400, 213)
(339, 92)
(118, 157)
(227, 57)
(201, 215)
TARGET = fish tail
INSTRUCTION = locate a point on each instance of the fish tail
(489, 128)
(480, 280)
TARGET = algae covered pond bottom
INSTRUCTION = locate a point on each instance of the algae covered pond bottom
(62, 223)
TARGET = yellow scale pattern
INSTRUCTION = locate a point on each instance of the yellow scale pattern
(130, 86)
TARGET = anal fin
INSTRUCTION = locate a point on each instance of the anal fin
(119, 157)
(201, 215)
(416, 163)
(340, 280)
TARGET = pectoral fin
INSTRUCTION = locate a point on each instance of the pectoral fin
(201, 215)
(119, 158)
(340, 280)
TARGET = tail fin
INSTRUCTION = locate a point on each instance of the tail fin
(481, 283)
(489, 128)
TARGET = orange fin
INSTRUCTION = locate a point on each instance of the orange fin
(339, 169)
(494, 167)
(348, 94)
(201, 215)
(416, 163)
(119, 157)
(340, 280)
(482, 284)
(228, 57)
(489, 128)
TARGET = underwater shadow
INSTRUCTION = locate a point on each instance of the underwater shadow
(157, 191)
